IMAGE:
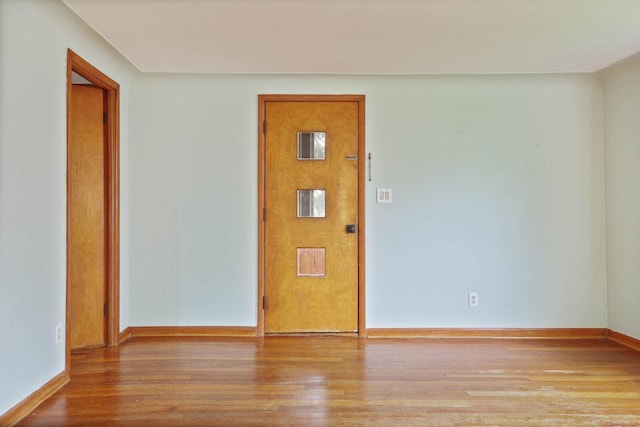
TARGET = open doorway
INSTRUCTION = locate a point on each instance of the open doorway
(93, 209)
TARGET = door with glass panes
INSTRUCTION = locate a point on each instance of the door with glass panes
(311, 216)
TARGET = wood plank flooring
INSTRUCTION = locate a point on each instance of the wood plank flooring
(333, 381)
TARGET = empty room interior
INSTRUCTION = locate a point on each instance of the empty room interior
(351, 200)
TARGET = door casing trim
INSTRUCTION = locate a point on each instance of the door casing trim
(262, 102)
(112, 196)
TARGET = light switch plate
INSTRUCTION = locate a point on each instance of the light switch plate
(384, 195)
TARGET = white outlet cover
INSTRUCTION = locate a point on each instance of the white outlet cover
(384, 195)
(59, 333)
(473, 299)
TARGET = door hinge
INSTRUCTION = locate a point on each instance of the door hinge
(264, 127)
(264, 214)
(104, 118)
(264, 302)
(105, 310)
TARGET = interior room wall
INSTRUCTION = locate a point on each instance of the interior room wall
(498, 188)
(33, 184)
(622, 129)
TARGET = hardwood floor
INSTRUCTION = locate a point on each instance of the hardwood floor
(313, 381)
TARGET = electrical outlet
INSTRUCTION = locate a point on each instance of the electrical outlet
(59, 333)
(473, 299)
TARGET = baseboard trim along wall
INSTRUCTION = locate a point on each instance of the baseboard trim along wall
(623, 339)
(31, 402)
(191, 331)
(124, 335)
(501, 333)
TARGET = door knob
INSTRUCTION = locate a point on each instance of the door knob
(351, 228)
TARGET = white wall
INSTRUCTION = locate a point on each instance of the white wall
(34, 37)
(498, 188)
(622, 124)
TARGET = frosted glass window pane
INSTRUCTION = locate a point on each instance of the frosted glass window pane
(311, 203)
(311, 145)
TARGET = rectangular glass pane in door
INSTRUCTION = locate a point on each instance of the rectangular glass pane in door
(311, 203)
(311, 145)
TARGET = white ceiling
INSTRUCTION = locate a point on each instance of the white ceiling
(367, 36)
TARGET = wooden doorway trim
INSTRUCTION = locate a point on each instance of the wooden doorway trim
(112, 193)
(262, 102)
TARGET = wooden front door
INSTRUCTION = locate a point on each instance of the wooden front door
(86, 204)
(311, 217)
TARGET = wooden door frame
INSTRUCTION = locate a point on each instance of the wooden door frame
(112, 195)
(262, 103)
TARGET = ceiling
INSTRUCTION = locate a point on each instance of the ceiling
(367, 36)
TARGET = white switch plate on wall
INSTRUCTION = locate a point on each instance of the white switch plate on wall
(384, 195)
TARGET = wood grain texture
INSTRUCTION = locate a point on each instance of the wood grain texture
(311, 261)
(304, 303)
(362, 155)
(262, 102)
(77, 64)
(191, 331)
(87, 213)
(624, 339)
(501, 333)
(124, 335)
(312, 381)
(22, 409)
